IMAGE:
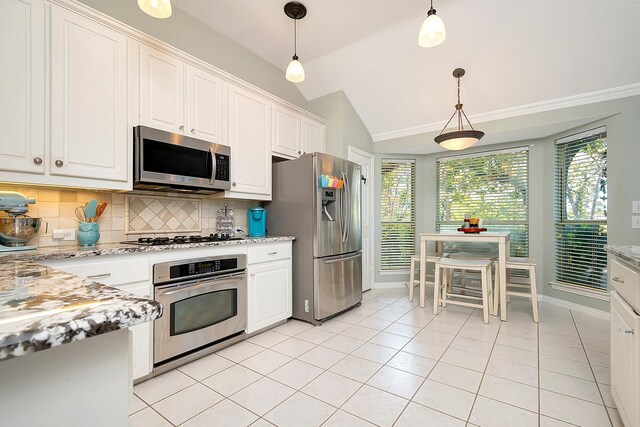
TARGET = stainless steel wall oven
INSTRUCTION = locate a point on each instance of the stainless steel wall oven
(205, 302)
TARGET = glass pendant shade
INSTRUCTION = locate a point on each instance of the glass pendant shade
(432, 31)
(156, 8)
(459, 140)
(295, 71)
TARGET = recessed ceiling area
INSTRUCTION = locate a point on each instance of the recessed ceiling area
(516, 53)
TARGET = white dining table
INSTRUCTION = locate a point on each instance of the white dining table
(499, 237)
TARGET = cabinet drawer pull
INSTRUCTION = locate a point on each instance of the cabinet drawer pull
(59, 163)
(99, 276)
(193, 131)
(624, 331)
(37, 160)
(273, 253)
(617, 279)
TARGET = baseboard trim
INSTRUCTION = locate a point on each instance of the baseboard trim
(575, 307)
(389, 285)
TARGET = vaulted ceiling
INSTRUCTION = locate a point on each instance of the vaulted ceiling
(516, 53)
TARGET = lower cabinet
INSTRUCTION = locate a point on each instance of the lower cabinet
(625, 360)
(269, 293)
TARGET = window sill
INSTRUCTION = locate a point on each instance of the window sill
(602, 295)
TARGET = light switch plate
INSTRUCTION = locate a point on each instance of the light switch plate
(635, 221)
(636, 206)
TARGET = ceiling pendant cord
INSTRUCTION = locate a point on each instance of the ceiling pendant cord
(295, 39)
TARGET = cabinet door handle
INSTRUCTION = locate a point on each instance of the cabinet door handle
(99, 276)
(273, 253)
(37, 160)
(299, 152)
(182, 128)
(233, 183)
(59, 163)
(624, 331)
(617, 279)
(193, 131)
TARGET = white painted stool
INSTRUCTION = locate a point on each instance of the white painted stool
(430, 257)
(463, 279)
(528, 264)
(441, 292)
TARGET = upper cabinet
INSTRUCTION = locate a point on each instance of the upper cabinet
(295, 133)
(22, 104)
(89, 126)
(250, 141)
(179, 98)
(312, 136)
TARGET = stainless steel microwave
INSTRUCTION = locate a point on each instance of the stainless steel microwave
(172, 162)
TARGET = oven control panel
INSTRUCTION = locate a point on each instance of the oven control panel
(192, 268)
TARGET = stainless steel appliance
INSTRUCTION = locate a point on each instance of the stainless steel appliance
(179, 240)
(317, 198)
(17, 229)
(205, 303)
(173, 162)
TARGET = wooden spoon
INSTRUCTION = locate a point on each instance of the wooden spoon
(99, 210)
(80, 214)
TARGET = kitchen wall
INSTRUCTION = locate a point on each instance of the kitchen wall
(344, 126)
(129, 215)
(623, 137)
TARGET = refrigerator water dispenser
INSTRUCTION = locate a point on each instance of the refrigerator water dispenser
(328, 204)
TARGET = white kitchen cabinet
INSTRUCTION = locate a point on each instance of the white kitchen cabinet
(22, 104)
(286, 140)
(269, 288)
(180, 98)
(313, 139)
(205, 110)
(250, 141)
(295, 134)
(130, 274)
(162, 90)
(625, 360)
(89, 122)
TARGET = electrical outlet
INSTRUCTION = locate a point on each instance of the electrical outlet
(635, 221)
(64, 233)
(635, 206)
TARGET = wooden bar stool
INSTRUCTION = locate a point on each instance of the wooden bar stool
(442, 294)
(527, 264)
(415, 261)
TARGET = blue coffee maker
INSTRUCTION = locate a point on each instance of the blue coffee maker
(257, 222)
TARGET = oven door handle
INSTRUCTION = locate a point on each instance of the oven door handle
(174, 289)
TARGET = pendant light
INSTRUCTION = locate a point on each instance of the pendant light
(295, 11)
(156, 8)
(461, 138)
(432, 31)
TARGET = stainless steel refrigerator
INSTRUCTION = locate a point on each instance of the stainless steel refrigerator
(327, 252)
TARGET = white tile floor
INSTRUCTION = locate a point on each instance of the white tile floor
(388, 363)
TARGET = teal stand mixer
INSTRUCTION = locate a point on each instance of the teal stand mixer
(16, 229)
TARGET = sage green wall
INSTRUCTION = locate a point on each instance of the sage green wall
(196, 38)
(623, 137)
(344, 126)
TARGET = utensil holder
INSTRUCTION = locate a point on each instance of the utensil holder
(88, 233)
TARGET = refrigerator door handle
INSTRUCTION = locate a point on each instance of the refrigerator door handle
(347, 258)
(347, 220)
(344, 208)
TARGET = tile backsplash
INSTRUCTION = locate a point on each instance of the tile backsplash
(129, 216)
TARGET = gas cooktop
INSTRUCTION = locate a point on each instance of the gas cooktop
(179, 240)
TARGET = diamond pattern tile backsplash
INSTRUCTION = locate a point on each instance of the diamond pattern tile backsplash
(149, 214)
(129, 215)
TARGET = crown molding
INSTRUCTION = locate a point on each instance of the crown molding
(537, 107)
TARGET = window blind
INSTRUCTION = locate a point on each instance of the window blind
(581, 209)
(398, 213)
(493, 186)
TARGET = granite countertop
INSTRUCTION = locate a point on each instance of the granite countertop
(630, 254)
(55, 253)
(41, 307)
